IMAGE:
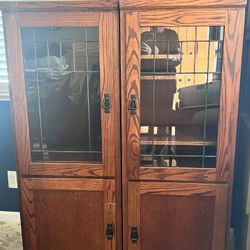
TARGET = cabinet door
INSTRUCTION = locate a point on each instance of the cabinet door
(66, 213)
(63, 69)
(180, 98)
(176, 216)
(64, 80)
(181, 89)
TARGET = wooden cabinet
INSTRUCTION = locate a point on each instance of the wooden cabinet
(167, 183)
(180, 90)
(64, 74)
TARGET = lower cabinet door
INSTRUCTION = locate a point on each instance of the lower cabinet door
(176, 216)
(68, 214)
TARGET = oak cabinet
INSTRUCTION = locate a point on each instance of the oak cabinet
(180, 89)
(66, 116)
(153, 172)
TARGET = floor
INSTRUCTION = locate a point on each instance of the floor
(10, 236)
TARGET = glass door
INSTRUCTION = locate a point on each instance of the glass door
(179, 96)
(67, 96)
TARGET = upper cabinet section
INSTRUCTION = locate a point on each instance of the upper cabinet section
(158, 4)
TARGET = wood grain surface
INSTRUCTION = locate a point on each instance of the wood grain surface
(221, 219)
(66, 169)
(158, 4)
(132, 83)
(177, 189)
(17, 92)
(27, 215)
(61, 19)
(93, 194)
(182, 17)
(178, 174)
(58, 5)
(109, 84)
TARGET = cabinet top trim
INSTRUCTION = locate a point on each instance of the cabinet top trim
(59, 5)
(167, 4)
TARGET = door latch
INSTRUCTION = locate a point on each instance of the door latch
(106, 103)
(109, 232)
(134, 234)
(132, 105)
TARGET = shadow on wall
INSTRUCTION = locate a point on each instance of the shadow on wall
(8, 197)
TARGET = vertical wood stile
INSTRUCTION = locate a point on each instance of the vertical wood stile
(28, 215)
(133, 213)
(132, 77)
(110, 213)
(17, 91)
(229, 102)
(108, 85)
(220, 217)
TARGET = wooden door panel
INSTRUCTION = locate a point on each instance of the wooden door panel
(68, 213)
(69, 219)
(177, 215)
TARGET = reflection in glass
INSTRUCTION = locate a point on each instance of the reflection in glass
(63, 93)
(180, 89)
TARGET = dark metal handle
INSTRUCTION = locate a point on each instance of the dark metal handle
(134, 235)
(109, 232)
(107, 103)
(132, 105)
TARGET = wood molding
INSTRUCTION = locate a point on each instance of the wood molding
(159, 4)
(59, 5)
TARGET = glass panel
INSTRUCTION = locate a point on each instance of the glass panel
(180, 89)
(63, 93)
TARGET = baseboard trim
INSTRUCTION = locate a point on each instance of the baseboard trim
(9, 216)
